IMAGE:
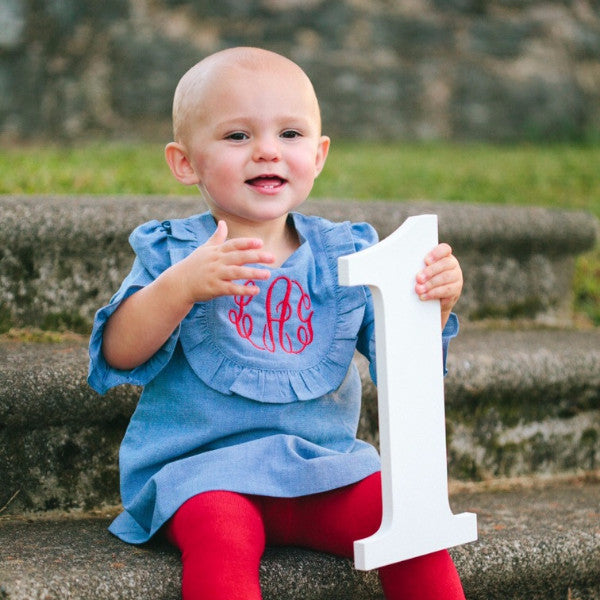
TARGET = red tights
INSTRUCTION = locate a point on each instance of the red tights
(222, 536)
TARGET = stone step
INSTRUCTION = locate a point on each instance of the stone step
(517, 403)
(536, 542)
(62, 257)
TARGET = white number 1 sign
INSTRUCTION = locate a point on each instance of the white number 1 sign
(417, 518)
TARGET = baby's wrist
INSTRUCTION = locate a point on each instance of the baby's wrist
(175, 286)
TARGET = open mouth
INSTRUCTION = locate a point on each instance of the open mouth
(266, 182)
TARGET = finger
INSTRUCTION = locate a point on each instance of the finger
(219, 236)
(440, 251)
(244, 257)
(440, 292)
(234, 273)
(448, 263)
(236, 244)
(238, 289)
(225, 287)
(444, 284)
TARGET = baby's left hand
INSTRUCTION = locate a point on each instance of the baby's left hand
(441, 279)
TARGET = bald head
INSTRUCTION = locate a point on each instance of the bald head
(193, 93)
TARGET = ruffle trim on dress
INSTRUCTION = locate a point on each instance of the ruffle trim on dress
(226, 374)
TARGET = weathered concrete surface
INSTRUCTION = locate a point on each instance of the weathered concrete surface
(524, 402)
(517, 403)
(536, 543)
(58, 439)
(61, 258)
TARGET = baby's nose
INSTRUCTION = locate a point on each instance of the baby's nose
(266, 148)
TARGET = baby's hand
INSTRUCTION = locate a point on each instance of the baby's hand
(212, 269)
(441, 279)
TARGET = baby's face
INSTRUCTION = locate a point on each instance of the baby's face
(254, 141)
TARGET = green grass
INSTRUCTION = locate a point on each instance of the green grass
(563, 175)
(91, 169)
(554, 175)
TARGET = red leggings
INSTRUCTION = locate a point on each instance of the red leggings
(222, 536)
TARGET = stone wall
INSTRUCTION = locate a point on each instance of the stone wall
(386, 69)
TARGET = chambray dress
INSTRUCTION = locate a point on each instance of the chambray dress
(255, 395)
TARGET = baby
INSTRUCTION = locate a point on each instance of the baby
(234, 323)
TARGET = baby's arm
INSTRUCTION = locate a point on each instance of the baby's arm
(145, 320)
(441, 279)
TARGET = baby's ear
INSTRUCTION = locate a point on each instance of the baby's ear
(322, 151)
(180, 165)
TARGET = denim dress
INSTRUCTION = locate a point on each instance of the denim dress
(253, 394)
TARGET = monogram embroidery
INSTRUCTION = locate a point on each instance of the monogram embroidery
(283, 297)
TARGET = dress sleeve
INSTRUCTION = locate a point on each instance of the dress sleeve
(150, 243)
(450, 331)
(365, 236)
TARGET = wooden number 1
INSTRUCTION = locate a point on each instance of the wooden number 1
(417, 518)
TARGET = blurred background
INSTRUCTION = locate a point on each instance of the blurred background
(492, 70)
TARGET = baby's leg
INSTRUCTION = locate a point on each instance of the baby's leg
(331, 522)
(221, 538)
(429, 577)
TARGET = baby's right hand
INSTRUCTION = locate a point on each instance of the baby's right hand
(212, 269)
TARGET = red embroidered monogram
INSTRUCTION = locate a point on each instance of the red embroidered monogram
(283, 297)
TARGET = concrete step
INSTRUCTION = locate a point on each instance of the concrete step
(63, 256)
(517, 403)
(537, 541)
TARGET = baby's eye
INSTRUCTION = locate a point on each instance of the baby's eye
(290, 134)
(237, 136)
